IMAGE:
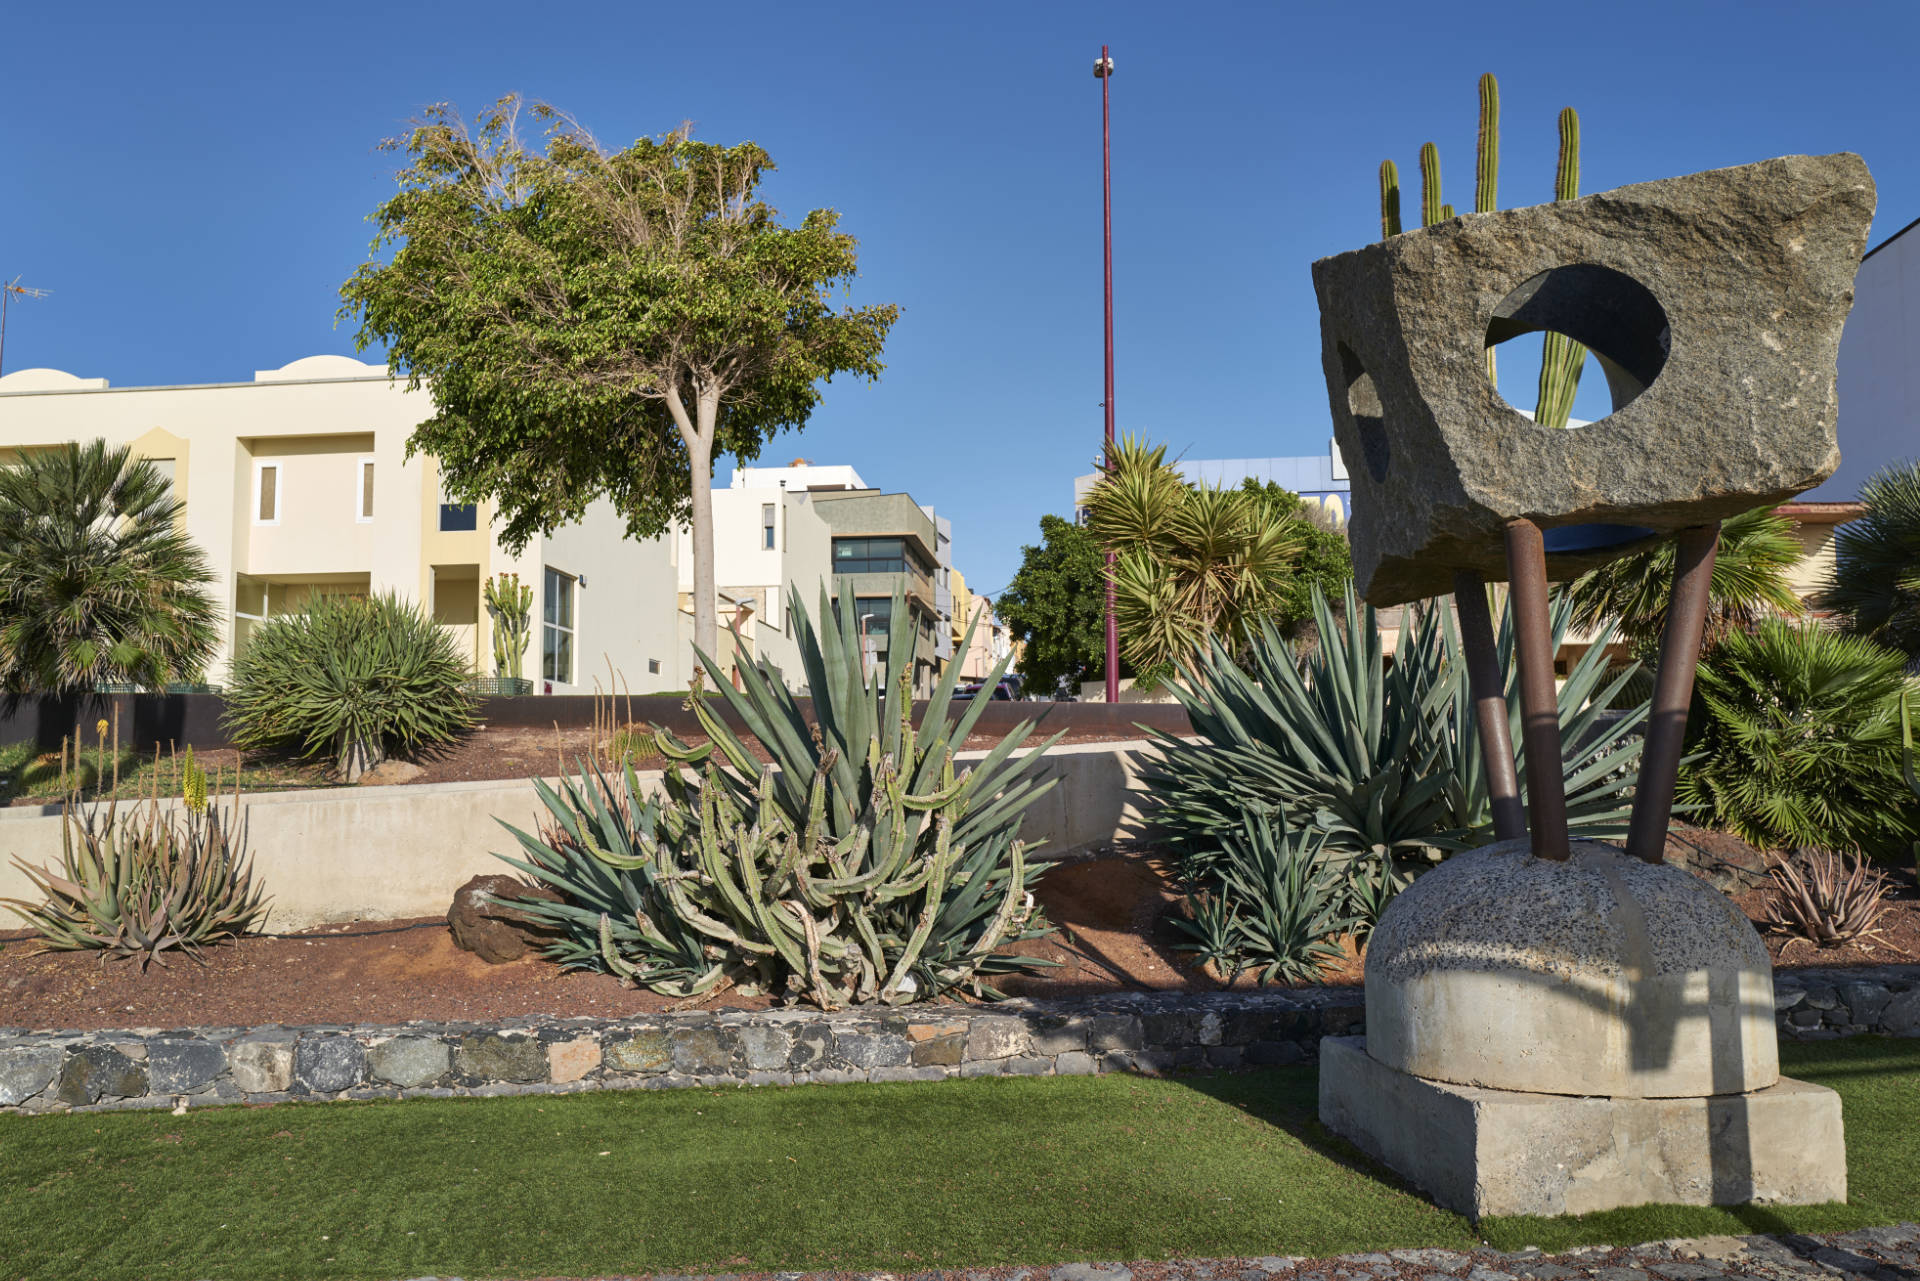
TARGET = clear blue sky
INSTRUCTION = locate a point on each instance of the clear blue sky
(191, 182)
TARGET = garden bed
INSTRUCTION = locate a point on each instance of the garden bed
(1115, 935)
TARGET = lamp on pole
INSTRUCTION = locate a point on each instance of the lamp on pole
(1103, 70)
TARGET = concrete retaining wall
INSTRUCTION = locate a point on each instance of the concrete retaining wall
(383, 853)
(1151, 1034)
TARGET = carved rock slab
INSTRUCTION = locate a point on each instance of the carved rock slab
(1712, 304)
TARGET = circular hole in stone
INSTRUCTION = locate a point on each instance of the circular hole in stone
(1586, 316)
(1363, 402)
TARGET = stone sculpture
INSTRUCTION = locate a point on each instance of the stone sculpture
(1552, 1027)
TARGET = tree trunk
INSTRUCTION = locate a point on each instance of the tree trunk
(706, 632)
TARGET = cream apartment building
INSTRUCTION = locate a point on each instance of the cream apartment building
(298, 483)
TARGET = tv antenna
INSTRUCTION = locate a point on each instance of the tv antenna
(7, 292)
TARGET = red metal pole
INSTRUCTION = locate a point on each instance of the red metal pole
(1105, 71)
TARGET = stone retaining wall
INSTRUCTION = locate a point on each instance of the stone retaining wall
(151, 1068)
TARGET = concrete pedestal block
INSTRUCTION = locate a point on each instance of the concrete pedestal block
(1503, 1152)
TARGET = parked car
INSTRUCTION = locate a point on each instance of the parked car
(1006, 690)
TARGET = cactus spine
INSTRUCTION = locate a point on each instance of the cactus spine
(1389, 199)
(1561, 358)
(1430, 205)
(510, 605)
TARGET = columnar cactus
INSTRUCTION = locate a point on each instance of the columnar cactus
(1561, 358)
(1486, 177)
(510, 605)
(1430, 203)
(1389, 199)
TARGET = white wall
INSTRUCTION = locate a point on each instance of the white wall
(1879, 383)
(743, 565)
(625, 614)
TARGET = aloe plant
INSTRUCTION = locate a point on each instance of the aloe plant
(864, 864)
(146, 882)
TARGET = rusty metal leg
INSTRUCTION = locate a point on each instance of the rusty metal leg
(1539, 704)
(1693, 553)
(1487, 685)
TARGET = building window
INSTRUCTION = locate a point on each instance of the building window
(653, 667)
(873, 556)
(766, 526)
(363, 506)
(457, 518)
(556, 647)
(266, 493)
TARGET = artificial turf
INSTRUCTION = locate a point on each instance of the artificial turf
(900, 1177)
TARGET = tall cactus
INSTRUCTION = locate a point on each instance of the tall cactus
(1389, 199)
(1430, 203)
(1486, 171)
(1486, 174)
(510, 605)
(1561, 358)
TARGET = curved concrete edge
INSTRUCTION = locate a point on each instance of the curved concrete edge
(327, 855)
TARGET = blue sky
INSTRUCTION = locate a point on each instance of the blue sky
(192, 182)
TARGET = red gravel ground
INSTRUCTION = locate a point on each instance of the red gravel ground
(1112, 913)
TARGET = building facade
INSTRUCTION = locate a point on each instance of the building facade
(1879, 379)
(298, 484)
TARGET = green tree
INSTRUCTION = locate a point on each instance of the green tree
(1326, 560)
(1193, 561)
(1056, 607)
(98, 582)
(1875, 580)
(1749, 583)
(595, 322)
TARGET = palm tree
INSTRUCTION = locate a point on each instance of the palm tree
(1749, 583)
(1191, 561)
(98, 583)
(1875, 580)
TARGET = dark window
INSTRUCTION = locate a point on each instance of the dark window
(456, 517)
(874, 556)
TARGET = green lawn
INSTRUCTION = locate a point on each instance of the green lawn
(900, 1177)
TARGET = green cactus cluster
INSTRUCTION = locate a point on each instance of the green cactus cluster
(1561, 358)
(510, 606)
(862, 864)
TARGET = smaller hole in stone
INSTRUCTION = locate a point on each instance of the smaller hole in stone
(1363, 402)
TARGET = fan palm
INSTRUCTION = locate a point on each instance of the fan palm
(1192, 562)
(1749, 583)
(1800, 743)
(1875, 580)
(98, 582)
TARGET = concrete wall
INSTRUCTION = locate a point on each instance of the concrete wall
(625, 615)
(377, 853)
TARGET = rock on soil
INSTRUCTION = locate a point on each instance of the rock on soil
(493, 931)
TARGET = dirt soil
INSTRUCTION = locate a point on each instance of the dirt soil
(1113, 913)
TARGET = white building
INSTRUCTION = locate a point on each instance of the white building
(766, 540)
(298, 483)
(1879, 383)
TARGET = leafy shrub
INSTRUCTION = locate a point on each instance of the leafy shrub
(1275, 900)
(1382, 761)
(357, 677)
(1797, 740)
(98, 582)
(146, 882)
(864, 869)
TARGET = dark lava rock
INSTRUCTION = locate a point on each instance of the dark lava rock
(329, 1064)
(100, 1072)
(492, 931)
(183, 1067)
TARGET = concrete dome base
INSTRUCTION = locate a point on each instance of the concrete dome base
(1602, 975)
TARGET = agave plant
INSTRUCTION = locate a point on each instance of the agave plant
(1278, 900)
(1827, 899)
(1383, 760)
(146, 882)
(862, 865)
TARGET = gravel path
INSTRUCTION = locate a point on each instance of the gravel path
(1870, 1254)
